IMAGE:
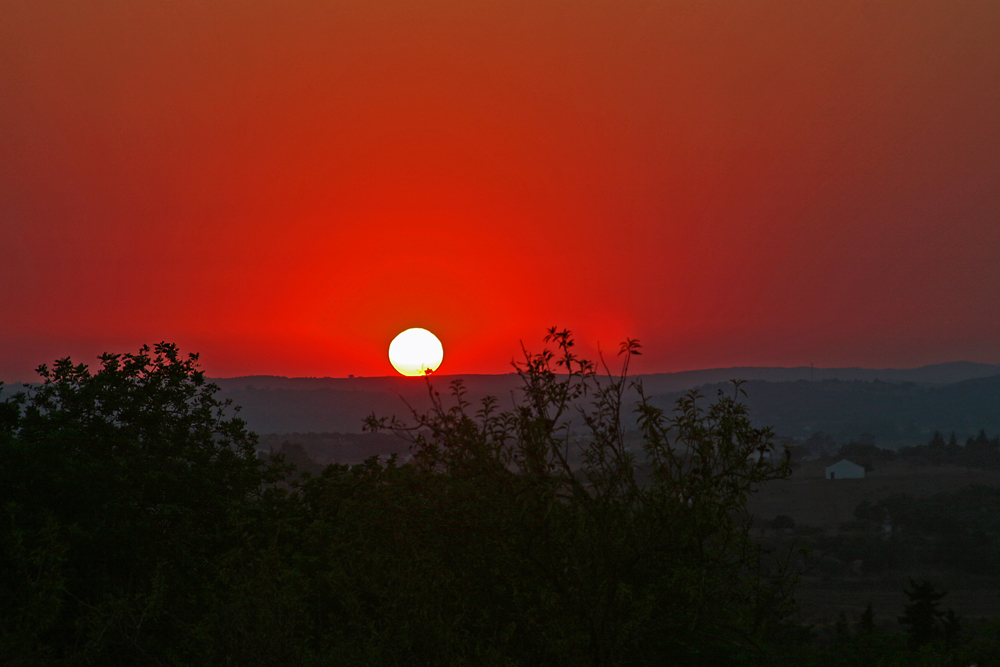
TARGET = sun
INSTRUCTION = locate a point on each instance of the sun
(416, 352)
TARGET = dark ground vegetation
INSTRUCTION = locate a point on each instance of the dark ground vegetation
(139, 527)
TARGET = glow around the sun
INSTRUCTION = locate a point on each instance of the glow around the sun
(416, 352)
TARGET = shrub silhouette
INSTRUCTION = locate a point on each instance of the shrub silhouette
(629, 555)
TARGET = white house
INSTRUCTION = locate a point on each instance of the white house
(844, 469)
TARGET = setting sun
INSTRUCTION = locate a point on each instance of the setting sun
(416, 352)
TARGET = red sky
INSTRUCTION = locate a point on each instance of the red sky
(284, 185)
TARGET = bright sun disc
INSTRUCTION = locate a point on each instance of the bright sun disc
(416, 352)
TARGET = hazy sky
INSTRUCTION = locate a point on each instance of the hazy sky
(283, 185)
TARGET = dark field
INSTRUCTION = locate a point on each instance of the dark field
(812, 500)
(825, 507)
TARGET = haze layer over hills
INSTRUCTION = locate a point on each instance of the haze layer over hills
(893, 406)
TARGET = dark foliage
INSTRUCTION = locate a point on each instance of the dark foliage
(922, 615)
(117, 490)
(139, 528)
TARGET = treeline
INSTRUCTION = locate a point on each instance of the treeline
(977, 452)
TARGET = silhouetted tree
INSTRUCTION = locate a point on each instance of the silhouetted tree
(922, 614)
(936, 449)
(867, 623)
(951, 629)
(116, 487)
(841, 628)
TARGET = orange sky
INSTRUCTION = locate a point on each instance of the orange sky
(284, 185)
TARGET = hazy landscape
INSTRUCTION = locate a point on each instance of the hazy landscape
(889, 407)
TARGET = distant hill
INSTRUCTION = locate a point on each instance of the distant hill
(894, 406)
(318, 405)
(890, 413)
(947, 373)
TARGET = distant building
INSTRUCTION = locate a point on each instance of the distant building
(844, 469)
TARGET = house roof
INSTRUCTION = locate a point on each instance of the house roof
(844, 463)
